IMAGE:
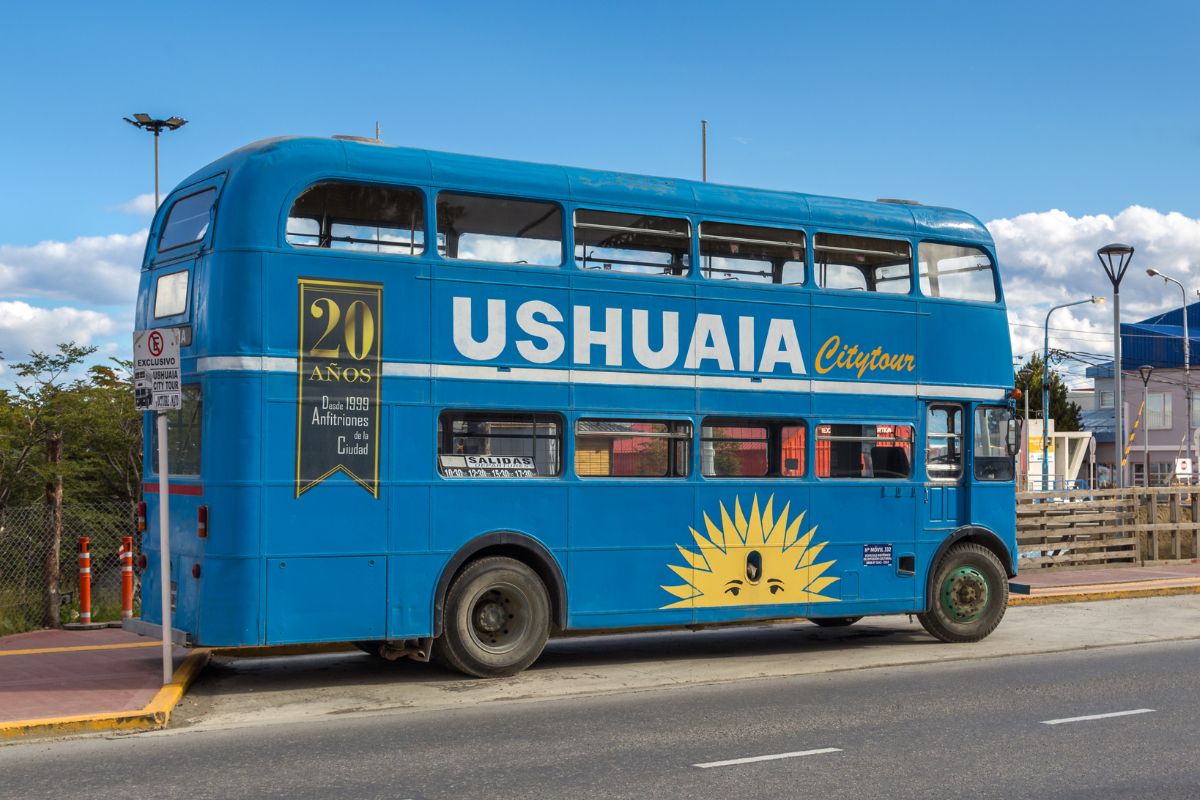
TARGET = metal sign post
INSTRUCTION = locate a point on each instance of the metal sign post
(156, 386)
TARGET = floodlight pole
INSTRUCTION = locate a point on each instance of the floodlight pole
(156, 126)
(1046, 387)
(1115, 259)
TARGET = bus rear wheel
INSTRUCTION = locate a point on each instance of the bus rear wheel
(969, 597)
(497, 619)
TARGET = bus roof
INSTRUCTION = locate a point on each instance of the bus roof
(268, 173)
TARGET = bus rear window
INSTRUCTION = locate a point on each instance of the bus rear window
(184, 429)
(187, 221)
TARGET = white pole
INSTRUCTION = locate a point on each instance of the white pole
(164, 546)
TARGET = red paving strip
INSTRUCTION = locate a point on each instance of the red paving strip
(102, 680)
(1049, 579)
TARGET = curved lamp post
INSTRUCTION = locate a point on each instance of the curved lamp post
(1046, 386)
(1187, 384)
(1115, 259)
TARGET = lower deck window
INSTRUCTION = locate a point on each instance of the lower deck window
(992, 459)
(735, 448)
(618, 448)
(184, 429)
(499, 445)
(864, 451)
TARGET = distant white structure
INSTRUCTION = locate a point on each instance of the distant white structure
(1071, 456)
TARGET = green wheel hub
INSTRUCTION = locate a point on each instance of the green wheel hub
(964, 594)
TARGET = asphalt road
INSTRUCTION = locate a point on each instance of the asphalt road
(964, 729)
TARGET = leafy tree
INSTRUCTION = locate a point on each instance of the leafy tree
(1029, 378)
(92, 417)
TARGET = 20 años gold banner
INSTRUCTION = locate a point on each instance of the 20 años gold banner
(337, 423)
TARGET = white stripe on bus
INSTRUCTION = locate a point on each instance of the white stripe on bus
(613, 378)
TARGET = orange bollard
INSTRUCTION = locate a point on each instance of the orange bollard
(127, 578)
(85, 582)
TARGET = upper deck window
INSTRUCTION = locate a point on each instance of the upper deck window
(631, 242)
(187, 221)
(352, 216)
(751, 254)
(862, 263)
(956, 272)
(499, 229)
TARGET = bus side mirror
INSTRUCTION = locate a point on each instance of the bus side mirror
(1013, 436)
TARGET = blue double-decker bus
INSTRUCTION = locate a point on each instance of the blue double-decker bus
(444, 405)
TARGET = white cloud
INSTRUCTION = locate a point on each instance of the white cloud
(143, 205)
(89, 269)
(24, 328)
(1049, 257)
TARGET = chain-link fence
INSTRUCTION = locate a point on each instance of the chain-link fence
(26, 560)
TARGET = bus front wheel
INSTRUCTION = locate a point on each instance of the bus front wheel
(497, 619)
(969, 597)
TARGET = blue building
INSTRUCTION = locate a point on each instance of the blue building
(1163, 424)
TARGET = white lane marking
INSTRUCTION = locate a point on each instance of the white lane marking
(775, 757)
(1098, 716)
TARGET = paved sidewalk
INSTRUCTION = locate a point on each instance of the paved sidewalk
(58, 681)
(1048, 585)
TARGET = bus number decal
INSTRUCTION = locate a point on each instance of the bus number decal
(337, 420)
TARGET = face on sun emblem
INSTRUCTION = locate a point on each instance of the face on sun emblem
(757, 560)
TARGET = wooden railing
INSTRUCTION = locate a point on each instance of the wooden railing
(1107, 527)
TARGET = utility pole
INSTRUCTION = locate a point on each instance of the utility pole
(704, 150)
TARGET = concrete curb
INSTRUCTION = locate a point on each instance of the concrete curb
(1099, 594)
(153, 716)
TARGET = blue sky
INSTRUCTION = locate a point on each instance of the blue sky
(1009, 111)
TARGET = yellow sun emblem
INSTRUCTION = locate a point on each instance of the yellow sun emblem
(757, 561)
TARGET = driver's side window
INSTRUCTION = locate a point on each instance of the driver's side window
(944, 442)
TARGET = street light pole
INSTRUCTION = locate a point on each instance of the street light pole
(156, 126)
(1046, 386)
(1145, 371)
(1187, 383)
(1115, 259)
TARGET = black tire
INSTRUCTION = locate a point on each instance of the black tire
(969, 594)
(834, 622)
(497, 618)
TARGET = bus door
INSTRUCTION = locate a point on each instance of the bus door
(863, 507)
(944, 506)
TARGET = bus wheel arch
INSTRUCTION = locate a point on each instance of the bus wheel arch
(507, 544)
(977, 535)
